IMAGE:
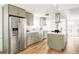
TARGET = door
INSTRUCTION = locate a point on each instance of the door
(13, 34)
(22, 27)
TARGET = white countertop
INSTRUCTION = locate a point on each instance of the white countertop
(32, 31)
(56, 33)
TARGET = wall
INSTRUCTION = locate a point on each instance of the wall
(36, 22)
(0, 29)
(73, 21)
(49, 21)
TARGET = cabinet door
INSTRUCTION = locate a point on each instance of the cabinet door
(33, 38)
(59, 42)
(40, 35)
(21, 12)
(13, 10)
(42, 21)
(29, 38)
(37, 37)
(50, 41)
(29, 17)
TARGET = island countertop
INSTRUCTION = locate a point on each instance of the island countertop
(56, 40)
(56, 33)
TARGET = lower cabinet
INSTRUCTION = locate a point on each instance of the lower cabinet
(41, 35)
(32, 37)
(56, 41)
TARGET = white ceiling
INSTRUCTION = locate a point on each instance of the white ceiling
(46, 8)
(38, 8)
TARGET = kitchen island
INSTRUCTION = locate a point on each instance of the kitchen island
(56, 40)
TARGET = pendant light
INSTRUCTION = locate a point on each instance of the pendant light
(57, 19)
(57, 14)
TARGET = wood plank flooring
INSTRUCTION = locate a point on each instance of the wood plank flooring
(72, 47)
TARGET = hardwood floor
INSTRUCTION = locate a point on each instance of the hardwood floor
(72, 47)
(37, 48)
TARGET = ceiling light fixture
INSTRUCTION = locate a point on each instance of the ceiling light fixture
(57, 17)
(57, 14)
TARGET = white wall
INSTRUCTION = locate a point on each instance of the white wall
(0, 29)
(73, 21)
(36, 22)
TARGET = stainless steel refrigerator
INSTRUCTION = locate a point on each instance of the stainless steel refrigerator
(16, 34)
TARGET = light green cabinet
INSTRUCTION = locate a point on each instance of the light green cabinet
(56, 41)
(42, 21)
(22, 12)
(41, 35)
(13, 10)
(16, 11)
(29, 17)
(32, 37)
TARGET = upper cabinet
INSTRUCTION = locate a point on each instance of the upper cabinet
(29, 17)
(13, 10)
(42, 21)
(17, 11)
